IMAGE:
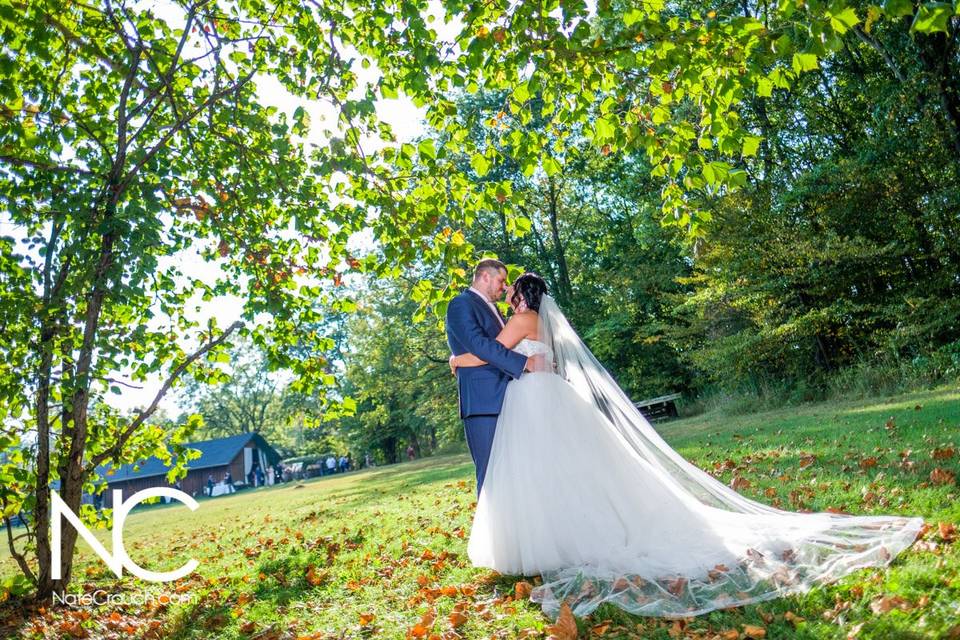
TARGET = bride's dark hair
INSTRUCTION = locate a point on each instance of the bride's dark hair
(531, 288)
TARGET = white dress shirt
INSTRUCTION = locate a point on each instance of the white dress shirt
(493, 307)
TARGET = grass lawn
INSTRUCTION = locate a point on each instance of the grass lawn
(382, 553)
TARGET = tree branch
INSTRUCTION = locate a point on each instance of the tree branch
(46, 166)
(146, 413)
(16, 555)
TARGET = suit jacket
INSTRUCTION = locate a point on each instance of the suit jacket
(472, 327)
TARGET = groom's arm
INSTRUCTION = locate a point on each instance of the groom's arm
(464, 327)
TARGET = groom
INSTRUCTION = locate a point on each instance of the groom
(473, 322)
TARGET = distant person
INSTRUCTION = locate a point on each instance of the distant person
(367, 460)
(261, 479)
(411, 454)
(210, 485)
(343, 464)
(278, 473)
(331, 465)
(228, 480)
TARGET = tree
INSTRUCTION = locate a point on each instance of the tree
(399, 375)
(127, 137)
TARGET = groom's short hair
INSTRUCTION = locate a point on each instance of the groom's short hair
(488, 265)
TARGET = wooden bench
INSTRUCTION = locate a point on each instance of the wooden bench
(659, 408)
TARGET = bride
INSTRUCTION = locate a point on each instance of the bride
(581, 490)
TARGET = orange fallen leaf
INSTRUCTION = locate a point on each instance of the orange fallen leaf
(753, 631)
(942, 476)
(314, 577)
(565, 628)
(457, 619)
(947, 531)
(677, 586)
(943, 454)
(601, 629)
(522, 590)
(883, 604)
(366, 619)
(792, 618)
(868, 463)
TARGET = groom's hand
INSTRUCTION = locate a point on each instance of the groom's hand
(535, 363)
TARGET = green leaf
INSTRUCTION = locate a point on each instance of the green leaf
(632, 17)
(480, 164)
(425, 147)
(604, 129)
(388, 91)
(750, 145)
(898, 8)
(550, 166)
(844, 20)
(764, 87)
(932, 17)
(522, 93)
(804, 62)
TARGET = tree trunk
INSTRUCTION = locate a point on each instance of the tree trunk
(566, 289)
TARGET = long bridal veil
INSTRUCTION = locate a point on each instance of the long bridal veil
(744, 552)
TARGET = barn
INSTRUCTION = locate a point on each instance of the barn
(239, 454)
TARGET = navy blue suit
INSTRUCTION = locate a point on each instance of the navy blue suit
(472, 327)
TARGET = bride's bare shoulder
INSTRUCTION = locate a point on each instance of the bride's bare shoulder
(527, 321)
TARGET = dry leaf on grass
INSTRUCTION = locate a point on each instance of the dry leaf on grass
(565, 628)
(522, 590)
(942, 476)
(883, 604)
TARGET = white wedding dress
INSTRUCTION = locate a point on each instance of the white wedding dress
(581, 490)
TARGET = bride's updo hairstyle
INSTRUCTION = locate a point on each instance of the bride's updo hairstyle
(531, 288)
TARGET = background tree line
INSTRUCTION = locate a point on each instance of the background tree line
(835, 269)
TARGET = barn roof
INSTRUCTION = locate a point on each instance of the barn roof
(213, 453)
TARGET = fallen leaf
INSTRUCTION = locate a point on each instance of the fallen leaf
(522, 590)
(753, 631)
(457, 619)
(792, 618)
(565, 628)
(943, 454)
(601, 629)
(942, 476)
(883, 604)
(677, 586)
(947, 531)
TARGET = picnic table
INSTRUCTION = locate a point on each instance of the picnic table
(659, 408)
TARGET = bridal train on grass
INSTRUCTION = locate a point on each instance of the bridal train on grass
(582, 491)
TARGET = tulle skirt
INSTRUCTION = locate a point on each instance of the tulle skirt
(565, 498)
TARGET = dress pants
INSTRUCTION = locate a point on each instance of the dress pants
(480, 431)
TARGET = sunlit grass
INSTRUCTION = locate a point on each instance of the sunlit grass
(370, 554)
